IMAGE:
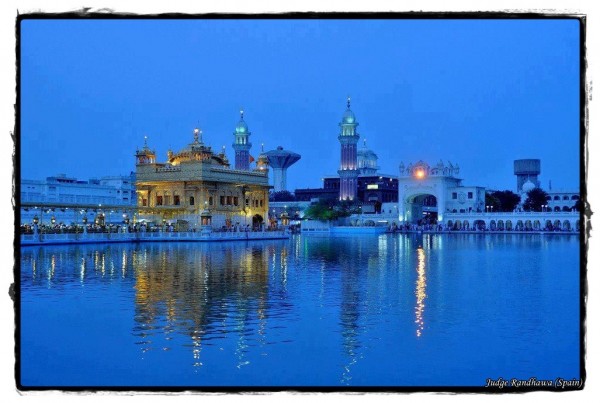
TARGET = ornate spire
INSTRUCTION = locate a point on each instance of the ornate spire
(145, 141)
(262, 147)
(348, 102)
(241, 113)
(197, 136)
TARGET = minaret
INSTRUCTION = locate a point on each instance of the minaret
(348, 171)
(262, 165)
(242, 144)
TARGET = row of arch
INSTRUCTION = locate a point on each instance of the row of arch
(565, 197)
(519, 225)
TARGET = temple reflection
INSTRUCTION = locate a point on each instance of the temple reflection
(421, 285)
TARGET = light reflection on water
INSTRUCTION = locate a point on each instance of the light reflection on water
(309, 311)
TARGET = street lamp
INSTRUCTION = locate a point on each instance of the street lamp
(53, 220)
(36, 220)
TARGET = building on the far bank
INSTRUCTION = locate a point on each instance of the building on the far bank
(63, 197)
(426, 193)
(197, 179)
(358, 178)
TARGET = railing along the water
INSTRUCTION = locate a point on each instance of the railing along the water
(41, 239)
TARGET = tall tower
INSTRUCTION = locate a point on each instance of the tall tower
(280, 160)
(348, 171)
(242, 145)
(527, 170)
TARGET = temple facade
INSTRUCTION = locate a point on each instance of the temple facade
(197, 180)
(426, 193)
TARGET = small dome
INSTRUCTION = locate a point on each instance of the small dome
(348, 117)
(527, 186)
(241, 127)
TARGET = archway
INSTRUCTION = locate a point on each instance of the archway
(479, 225)
(465, 225)
(492, 225)
(528, 225)
(421, 209)
(557, 225)
(577, 225)
(537, 225)
(257, 220)
(509, 225)
(519, 226)
(500, 225)
(548, 225)
(566, 225)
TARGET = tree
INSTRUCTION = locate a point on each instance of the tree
(328, 210)
(282, 196)
(491, 200)
(536, 198)
(508, 200)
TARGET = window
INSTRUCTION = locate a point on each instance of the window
(235, 201)
(247, 202)
(261, 203)
(556, 198)
(210, 201)
(192, 200)
(222, 200)
(565, 197)
(470, 195)
(167, 200)
(229, 201)
(454, 195)
(176, 200)
(159, 200)
(574, 197)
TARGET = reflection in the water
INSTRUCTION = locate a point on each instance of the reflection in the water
(241, 309)
(420, 290)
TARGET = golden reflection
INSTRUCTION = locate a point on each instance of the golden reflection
(420, 290)
(52, 267)
(82, 269)
(123, 263)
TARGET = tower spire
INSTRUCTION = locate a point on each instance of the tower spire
(348, 102)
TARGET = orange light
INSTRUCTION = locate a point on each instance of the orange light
(420, 174)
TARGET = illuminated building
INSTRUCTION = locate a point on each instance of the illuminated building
(358, 178)
(197, 178)
(348, 171)
(426, 193)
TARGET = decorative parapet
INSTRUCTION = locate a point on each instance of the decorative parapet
(423, 169)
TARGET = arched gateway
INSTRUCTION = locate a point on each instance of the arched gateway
(426, 193)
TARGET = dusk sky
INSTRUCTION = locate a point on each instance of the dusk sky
(480, 93)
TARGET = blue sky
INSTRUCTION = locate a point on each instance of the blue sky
(479, 93)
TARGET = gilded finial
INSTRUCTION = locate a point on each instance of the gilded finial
(348, 102)
(242, 113)
(145, 141)
(262, 147)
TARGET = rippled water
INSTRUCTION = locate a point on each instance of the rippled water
(389, 310)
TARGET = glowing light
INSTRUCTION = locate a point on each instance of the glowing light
(420, 291)
(420, 174)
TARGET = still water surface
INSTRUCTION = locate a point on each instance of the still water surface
(389, 310)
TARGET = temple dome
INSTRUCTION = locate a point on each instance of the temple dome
(366, 160)
(348, 117)
(527, 186)
(241, 127)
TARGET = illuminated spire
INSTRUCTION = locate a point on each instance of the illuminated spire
(145, 141)
(365, 143)
(241, 113)
(348, 102)
(262, 147)
(197, 135)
